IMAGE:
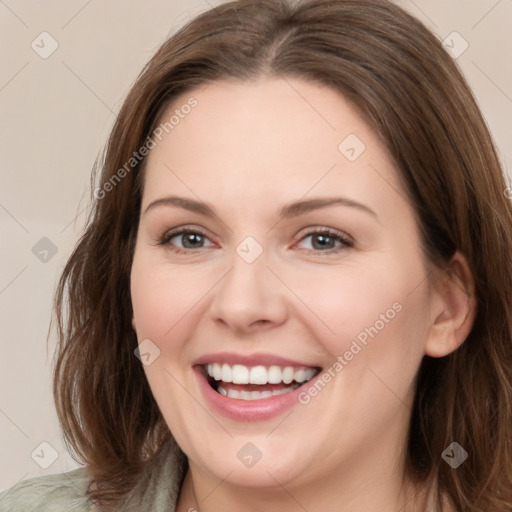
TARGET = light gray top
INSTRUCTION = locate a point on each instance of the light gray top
(156, 491)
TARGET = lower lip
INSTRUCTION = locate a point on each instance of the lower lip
(248, 410)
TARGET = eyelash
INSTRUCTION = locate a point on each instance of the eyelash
(346, 243)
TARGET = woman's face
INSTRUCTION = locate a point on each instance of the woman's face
(275, 245)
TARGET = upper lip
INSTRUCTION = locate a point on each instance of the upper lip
(257, 359)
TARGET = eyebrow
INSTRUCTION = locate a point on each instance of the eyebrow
(291, 210)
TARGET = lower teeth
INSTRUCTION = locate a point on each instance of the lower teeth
(254, 395)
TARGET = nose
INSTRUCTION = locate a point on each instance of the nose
(249, 298)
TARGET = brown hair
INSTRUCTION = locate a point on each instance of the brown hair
(410, 90)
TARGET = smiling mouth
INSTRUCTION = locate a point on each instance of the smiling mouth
(256, 382)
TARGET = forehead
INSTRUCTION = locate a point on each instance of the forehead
(277, 137)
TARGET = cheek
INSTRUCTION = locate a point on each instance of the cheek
(375, 320)
(345, 303)
(164, 298)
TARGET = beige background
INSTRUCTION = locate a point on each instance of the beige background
(55, 116)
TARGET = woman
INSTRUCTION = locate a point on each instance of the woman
(294, 291)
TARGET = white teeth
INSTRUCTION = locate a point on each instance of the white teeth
(282, 391)
(287, 375)
(253, 395)
(217, 372)
(309, 373)
(258, 375)
(299, 375)
(227, 374)
(233, 393)
(240, 374)
(274, 375)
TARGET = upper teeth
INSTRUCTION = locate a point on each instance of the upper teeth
(240, 374)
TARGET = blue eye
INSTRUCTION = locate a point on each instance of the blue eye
(321, 241)
(326, 241)
(185, 240)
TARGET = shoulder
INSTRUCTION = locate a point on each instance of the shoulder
(64, 492)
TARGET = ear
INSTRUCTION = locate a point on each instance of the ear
(133, 324)
(454, 308)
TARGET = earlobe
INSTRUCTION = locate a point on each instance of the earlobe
(454, 318)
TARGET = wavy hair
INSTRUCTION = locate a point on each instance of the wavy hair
(396, 72)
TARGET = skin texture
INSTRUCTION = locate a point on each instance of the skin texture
(248, 149)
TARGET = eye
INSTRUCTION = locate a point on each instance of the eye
(326, 240)
(185, 240)
(321, 240)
